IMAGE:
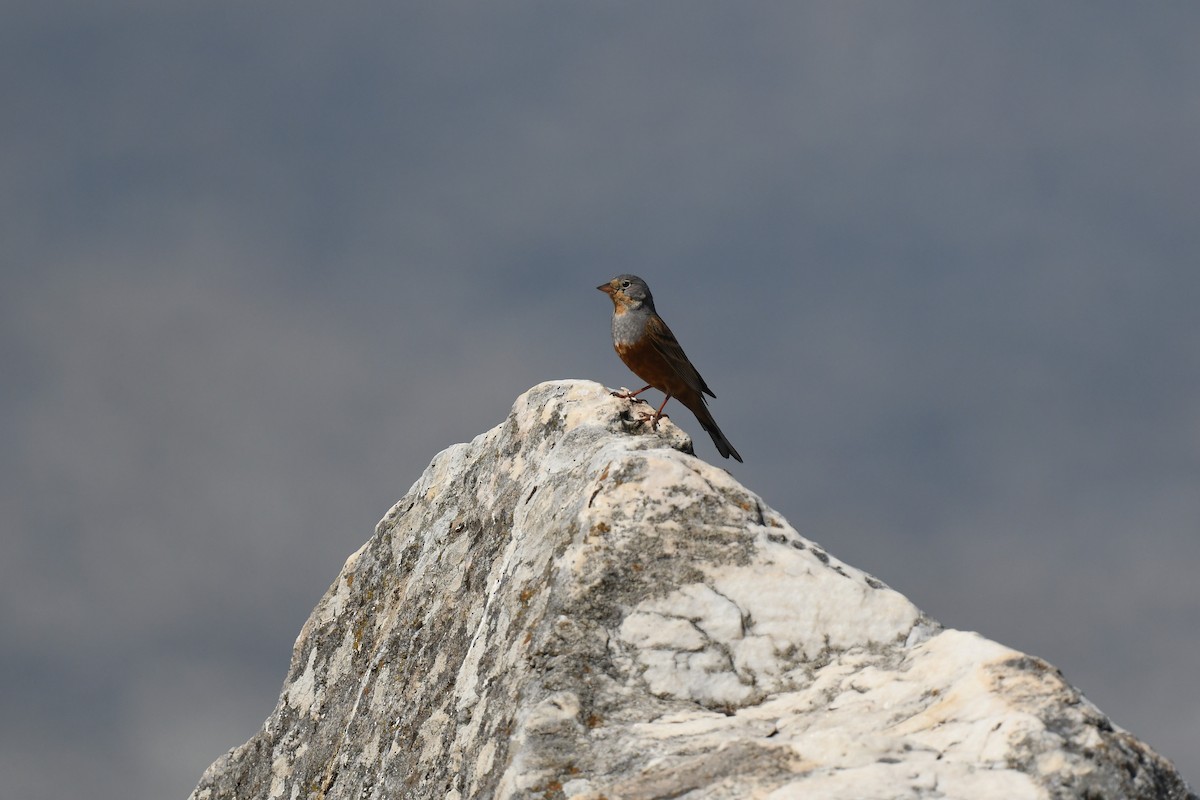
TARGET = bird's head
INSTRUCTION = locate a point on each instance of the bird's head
(628, 293)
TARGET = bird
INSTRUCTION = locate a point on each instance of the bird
(651, 351)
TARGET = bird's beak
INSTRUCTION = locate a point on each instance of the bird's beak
(607, 288)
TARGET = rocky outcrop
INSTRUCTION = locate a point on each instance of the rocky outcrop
(572, 605)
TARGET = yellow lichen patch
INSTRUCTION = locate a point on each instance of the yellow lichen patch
(358, 633)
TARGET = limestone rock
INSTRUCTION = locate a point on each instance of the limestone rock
(572, 605)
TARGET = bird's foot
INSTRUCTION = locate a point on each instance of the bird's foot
(627, 395)
(652, 419)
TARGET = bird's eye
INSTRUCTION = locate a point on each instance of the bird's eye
(624, 284)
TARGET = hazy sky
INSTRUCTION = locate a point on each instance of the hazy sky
(939, 261)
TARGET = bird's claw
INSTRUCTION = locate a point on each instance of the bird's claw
(652, 419)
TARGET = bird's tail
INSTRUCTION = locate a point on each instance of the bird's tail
(709, 424)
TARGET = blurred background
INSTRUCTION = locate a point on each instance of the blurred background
(261, 261)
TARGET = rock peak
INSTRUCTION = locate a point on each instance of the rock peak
(571, 605)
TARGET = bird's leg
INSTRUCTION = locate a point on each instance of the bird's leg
(630, 395)
(658, 414)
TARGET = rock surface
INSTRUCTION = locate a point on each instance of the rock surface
(574, 606)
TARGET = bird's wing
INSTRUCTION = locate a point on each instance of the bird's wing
(668, 347)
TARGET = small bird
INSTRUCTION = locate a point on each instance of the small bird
(647, 346)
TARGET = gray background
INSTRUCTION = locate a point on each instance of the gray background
(262, 260)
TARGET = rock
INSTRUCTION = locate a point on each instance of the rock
(572, 605)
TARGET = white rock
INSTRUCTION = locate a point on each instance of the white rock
(574, 606)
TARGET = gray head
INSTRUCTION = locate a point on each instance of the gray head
(628, 293)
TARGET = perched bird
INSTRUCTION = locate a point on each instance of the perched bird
(647, 346)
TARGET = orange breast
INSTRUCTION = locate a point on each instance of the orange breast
(649, 365)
